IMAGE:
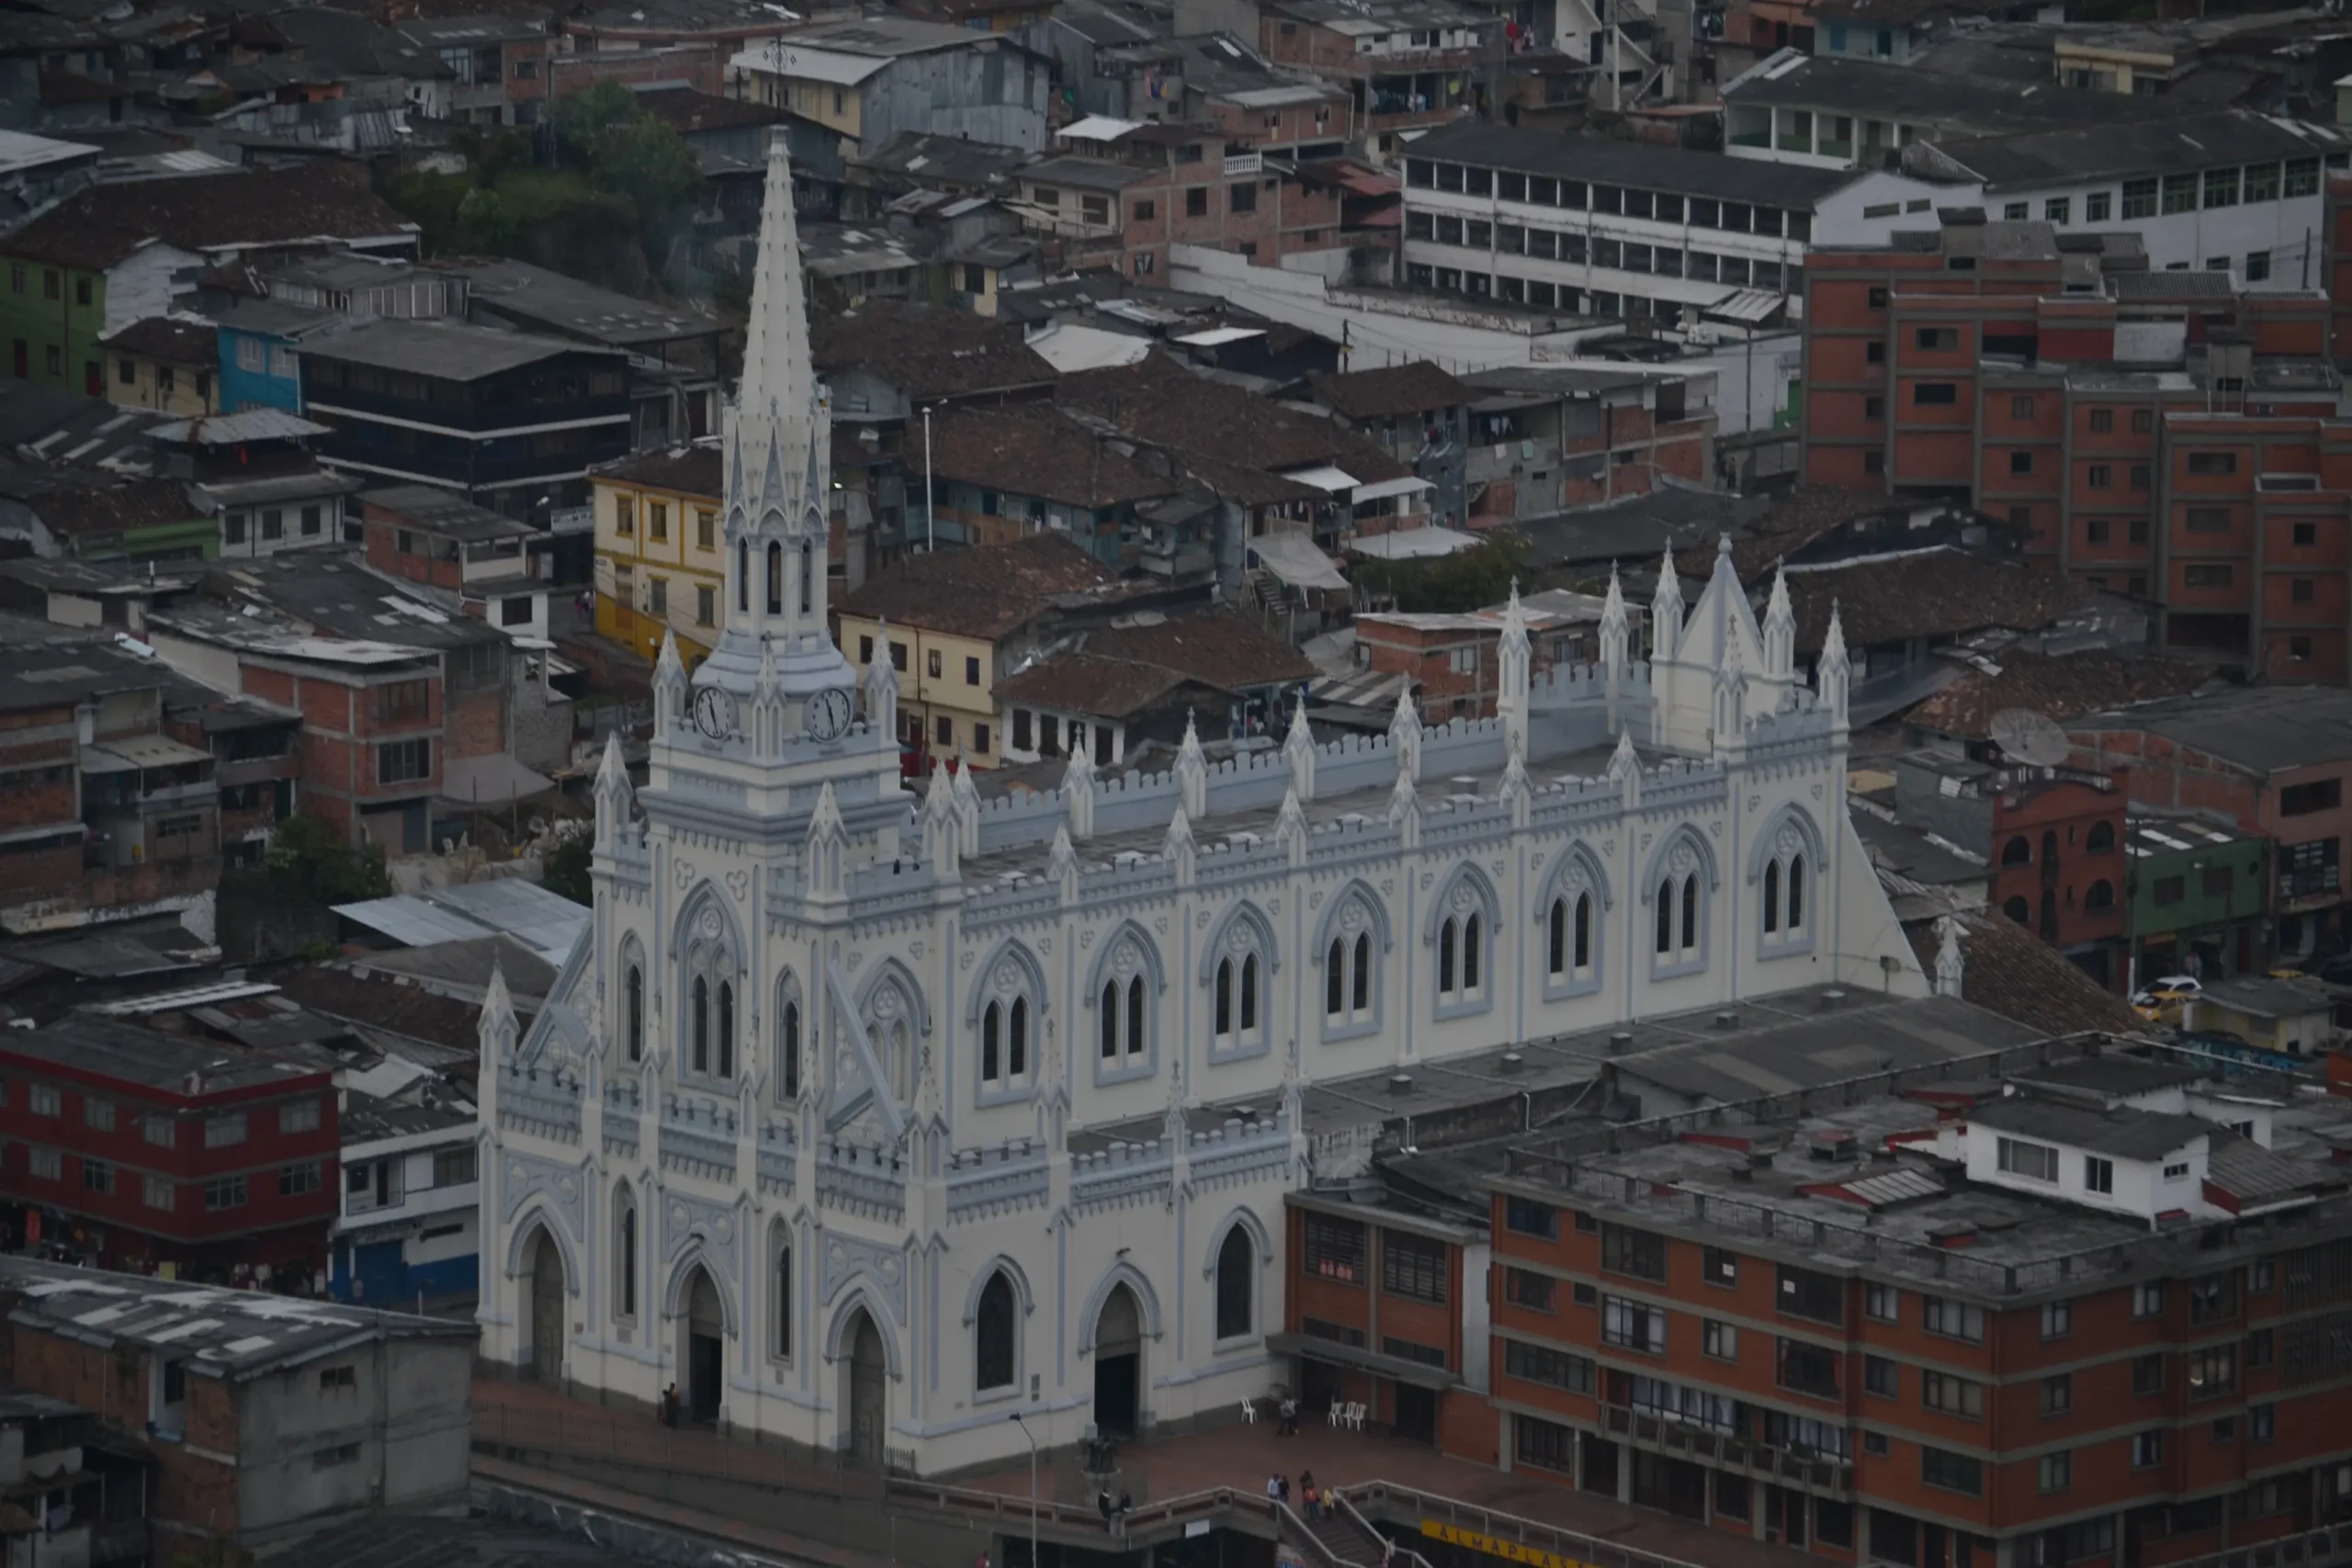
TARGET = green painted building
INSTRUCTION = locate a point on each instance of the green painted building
(139, 521)
(50, 319)
(2197, 899)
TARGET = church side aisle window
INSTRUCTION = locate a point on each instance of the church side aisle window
(787, 1039)
(1004, 1044)
(1568, 938)
(996, 1361)
(1235, 1019)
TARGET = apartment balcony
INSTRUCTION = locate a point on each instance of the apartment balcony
(1827, 1476)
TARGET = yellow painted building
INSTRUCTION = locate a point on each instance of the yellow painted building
(660, 564)
(164, 363)
(956, 618)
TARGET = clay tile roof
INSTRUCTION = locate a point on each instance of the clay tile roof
(98, 510)
(383, 1003)
(2007, 970)
(2061, 687)
(1040, 454)
(684, 110)
(987, 592)
(1121, 670)
(1937, 593)
(1083, 683)
(929, 352)
(163, 337)
(1389, 394)
(101, 225)
(1219, 426)
(1805, 514)
(689, 470)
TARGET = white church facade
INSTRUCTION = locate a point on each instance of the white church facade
(871, 1118)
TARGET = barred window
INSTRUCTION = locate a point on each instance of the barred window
(1412, 1266)
(1335, 1248)
(1539, 1363)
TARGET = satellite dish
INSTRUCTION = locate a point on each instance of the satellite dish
(2024, 736)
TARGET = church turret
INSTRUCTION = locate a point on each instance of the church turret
(1512, 676)
(614, 798)
(881, 687)
(1665, 613)
(1779, 628)
(1833, 677)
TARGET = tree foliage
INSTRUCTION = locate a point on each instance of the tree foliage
(1465, 580)
(309, 861)
(568, 866)
(594, 195)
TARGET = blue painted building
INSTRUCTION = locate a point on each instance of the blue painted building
(260, 352)
(409, 1225)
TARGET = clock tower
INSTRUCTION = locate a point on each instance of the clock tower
(775, 709)
(776, 513)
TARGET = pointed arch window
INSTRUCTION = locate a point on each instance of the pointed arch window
(633, 1011)
(787, 1039)
(1784, 891)
(775, 579)
(1237, 1272)
(1679, 915)
(807, 577)
(996, 1333)
(1008, 1045)
(780, 1282)
(1350, 983)
(625, 1257)
(744, 575)
(1568, 938)
(710, 979)
(1460, 958)
(1237, 1021)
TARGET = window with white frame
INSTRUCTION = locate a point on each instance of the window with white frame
(710, 1001)
(1237, 988)
(1462, 949)
(1568, 937)
(1785, 910)
(1123, 1020)
(1676, 943)
(1005, 1023)
(1350, 984)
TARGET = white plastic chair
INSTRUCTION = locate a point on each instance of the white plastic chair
(1338, 1414)
(1249, 1411)
(1355, 1417)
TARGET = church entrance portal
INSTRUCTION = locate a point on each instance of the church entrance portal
(705, 1340)
(1118, 1366)
(869, 1385)
(546, 1309)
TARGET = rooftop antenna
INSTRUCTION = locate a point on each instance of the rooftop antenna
(2031, 737)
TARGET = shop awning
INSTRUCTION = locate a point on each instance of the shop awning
(1323, 477)
(1381, 489)
(1412, 543)
(1295, 558)
(1334, 1353)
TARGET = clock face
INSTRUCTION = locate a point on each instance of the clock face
(829, 714)
(715, 712)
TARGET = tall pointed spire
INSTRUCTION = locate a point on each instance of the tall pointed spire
(1665, 613)
(1779, 627)
(777, 397)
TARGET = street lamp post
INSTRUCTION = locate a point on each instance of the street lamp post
(931, 508)
(1033, 1457)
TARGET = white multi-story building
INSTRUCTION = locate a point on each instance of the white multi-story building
(1583, 225)
(871, 1121)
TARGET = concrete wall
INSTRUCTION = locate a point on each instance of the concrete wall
(312, 1447)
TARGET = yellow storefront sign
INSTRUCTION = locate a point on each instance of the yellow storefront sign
(1495, 1546)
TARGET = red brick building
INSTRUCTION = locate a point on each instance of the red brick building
(1406, 64)
(495, 567)
(1929, 1323)
(2156, 434)
(1121, 200)
(2053, 839)
(2273, 760)
(135, 1150)
(1453, 659)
